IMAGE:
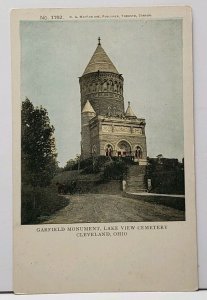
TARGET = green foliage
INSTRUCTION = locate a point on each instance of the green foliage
(167, 175)
(115, 170)
(94, 164)
(39, 163)
(73, 164)
(69, 165)
(39, 202)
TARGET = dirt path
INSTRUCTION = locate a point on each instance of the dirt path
(101, 208)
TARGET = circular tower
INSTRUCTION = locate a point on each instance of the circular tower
(102, 85)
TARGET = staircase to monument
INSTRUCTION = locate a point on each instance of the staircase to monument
(136, 179)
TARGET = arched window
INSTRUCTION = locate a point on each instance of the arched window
(109, 111)
(115, 86)
(111, 86)
(108, 150)
(94, 150)
(138, 152)
(101, 87)
(105, 86)
(108, 86)
(94, 87)
(114, 111)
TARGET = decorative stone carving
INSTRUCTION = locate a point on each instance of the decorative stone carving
(120, 129)
(137, 130)
(104, 82)
(106, 128)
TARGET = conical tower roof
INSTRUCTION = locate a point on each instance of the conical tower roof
(88, 108)
(100, 62)
(129, 112)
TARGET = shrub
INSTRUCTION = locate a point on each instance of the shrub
(167, 176)
(38, 202)
(94, 164)
(115, 170)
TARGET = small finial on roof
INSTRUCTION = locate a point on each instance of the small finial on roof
(129, 112)
(100, 61)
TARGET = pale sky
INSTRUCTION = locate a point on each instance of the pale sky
(147, 53)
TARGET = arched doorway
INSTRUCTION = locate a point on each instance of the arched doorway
(123, 149)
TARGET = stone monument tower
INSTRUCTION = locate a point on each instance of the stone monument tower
(102, 85)
(106, 128)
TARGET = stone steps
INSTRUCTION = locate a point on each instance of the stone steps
(136, 184)
(136, 190)
(136, 179)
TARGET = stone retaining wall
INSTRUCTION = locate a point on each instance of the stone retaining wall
(170, 201)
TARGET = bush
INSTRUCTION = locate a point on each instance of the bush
(167, 176)
(39, 202)
(115, 170)
(94, 164)
(128, 160)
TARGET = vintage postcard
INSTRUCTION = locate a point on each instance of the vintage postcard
(103, 150)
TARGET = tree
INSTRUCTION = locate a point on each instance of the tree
(69, 165)
(38, 157)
